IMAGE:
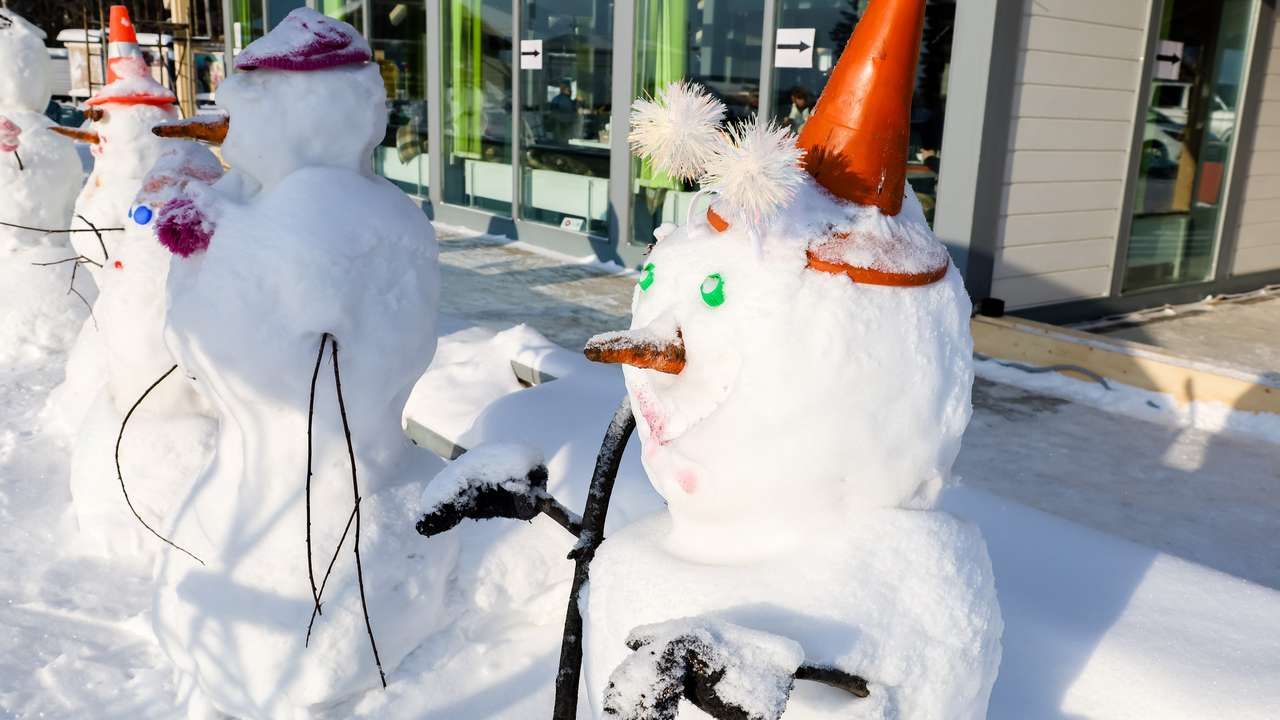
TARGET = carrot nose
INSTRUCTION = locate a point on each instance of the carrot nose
(211, 129)
(638, 349)
(84, 136)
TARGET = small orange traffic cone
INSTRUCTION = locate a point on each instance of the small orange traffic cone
(122, 46)
(856, 141)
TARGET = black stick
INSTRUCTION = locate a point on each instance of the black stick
(18, 157)
(98, 233)
(325, 581)
(839, 679)
(120, 475)
(355, 489)
(593, 517)
(50, 231)
(71, 288)
(78, 259)
(311, 413)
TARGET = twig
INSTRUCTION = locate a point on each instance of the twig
(78, 259)
(51, 231)
(311, 413)
(120, 475)
(71, 289)
(355, 489)
(593, 518)
(18, 157)
(325, 580)
(835, 678)
(105, 255)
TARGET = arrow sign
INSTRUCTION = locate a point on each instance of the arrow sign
(793, 48)
(1169, 60)
(530, 54)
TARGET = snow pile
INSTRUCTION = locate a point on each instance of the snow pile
(39, 177)
(306, 322)
(749, 672)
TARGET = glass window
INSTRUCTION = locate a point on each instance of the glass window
(1186, 142)
(713, 42)
(348, 11)
(796, 89)
(399, 47)
(246, 23)
(477, 104)
(565, 98)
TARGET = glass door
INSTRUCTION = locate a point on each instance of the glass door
(1187, 139)
(477, 67)
(399, 39)
(566, 75)
(811, 37)
(712, 42)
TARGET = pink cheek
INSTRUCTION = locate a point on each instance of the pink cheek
(688, 481)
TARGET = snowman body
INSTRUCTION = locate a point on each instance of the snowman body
(308, 241)
(36, 313)
(801, 450)
(169, 436)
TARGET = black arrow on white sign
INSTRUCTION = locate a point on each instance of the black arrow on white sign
(801, 46)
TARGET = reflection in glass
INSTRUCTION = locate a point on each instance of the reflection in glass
(565, 114)
(246, 23)
(795, 90)
(398, 39)
(348, 11)
(1186, 142)
(477, 104)
(713, 42)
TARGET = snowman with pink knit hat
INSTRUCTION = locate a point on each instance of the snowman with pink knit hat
(302, 296)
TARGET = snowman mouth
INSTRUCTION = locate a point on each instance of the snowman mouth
(673, 405)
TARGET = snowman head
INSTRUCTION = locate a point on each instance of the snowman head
(25, 69)
(303, 95)
(797, 355)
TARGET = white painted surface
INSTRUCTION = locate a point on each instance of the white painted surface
(1258, 232)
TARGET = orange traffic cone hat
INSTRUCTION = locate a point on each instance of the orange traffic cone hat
(856, 141)
(129, 80)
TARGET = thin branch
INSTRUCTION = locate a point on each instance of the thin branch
(835, 678)
(97, 232)
(566, 518)
(51, 231)
(120, 475)
(311, 413)
(78, 259)
(325, 581)
(355, 489)
(71, 290)
(18, 157)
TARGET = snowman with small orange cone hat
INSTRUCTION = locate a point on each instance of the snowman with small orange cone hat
(800, 366)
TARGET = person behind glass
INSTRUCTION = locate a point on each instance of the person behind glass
(563, 113)
(801, 109)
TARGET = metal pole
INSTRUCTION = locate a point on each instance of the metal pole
(517, 122)
(435, 102)
(768, 35)
(624, 39)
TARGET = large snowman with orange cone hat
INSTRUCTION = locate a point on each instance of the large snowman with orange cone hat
(124, 151)
(799, 363)
(39, 178)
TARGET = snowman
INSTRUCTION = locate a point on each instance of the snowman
(799, 362)
(123, 147)
(39, 176)
(302, 297)
(124, 151)
(169, 433)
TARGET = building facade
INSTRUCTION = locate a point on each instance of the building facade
(1100, 155)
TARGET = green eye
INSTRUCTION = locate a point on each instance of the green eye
(647, 280)
(713, 290)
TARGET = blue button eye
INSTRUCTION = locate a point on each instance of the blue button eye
(142, 214)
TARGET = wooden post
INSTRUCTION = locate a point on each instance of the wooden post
(184, 58)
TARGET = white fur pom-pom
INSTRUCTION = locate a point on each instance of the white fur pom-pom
(679, 130)
(756, 170)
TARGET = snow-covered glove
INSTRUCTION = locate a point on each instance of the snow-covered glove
(729, 672)
(502, 480)
(9, 132)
